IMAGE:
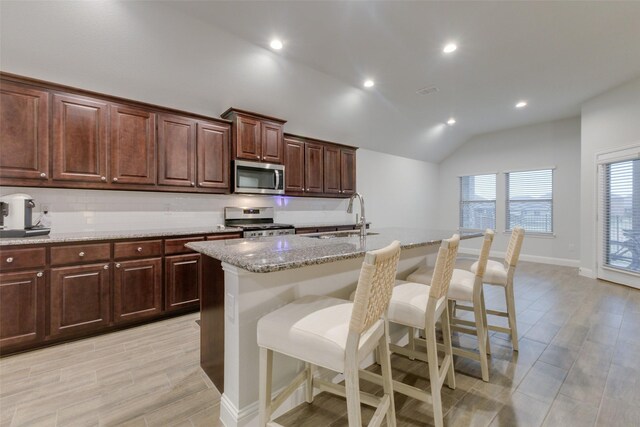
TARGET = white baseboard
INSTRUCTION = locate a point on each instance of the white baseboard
(566, 262)
(587, 272)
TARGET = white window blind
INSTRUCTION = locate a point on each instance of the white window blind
(621, 215)
(530, 200)
(478, 202)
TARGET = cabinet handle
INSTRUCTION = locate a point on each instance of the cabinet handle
(81, 254)
(106, 267)
(43, 175)
(103, 178)
(117, 265)
(201, 184)
(193, 184)
(139, 249)
(115, 179)
(39, 274)
(307, 189)
(10, 259)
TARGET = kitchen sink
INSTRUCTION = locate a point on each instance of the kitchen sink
(334, 234)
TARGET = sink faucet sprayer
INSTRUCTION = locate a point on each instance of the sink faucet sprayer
(363, 222)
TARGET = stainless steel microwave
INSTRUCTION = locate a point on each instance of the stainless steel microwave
(257, 178)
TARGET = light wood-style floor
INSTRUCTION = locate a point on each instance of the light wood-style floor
(578, 365)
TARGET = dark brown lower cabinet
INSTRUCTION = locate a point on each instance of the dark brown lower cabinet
(80, 298)
(22, 308)
(182, 281)
(137, 292)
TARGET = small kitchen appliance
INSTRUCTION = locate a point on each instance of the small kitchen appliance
(257, 178)
(255, 222)
(17, 212)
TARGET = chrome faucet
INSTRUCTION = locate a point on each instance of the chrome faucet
(362, 223)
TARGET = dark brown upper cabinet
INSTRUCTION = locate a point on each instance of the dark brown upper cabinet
(24, 132)
(255, 136)
(314, 168)
(79, 138)
(213, 155)
(332, 170)
(294, 156)
(133, 145)
(176, 151)
(347, 171)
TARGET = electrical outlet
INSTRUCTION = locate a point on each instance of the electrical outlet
(45, 208)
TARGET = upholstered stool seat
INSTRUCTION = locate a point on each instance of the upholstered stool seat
(408, 304)
(495, 274)
(315, 329)
(461, 287)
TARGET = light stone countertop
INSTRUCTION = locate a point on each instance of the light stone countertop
(269, 254)
(84, 236)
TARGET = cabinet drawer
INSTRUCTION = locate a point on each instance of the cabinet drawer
(11, 259)
(140, 249)
(80, 253)
(176, 246)
(224, 236)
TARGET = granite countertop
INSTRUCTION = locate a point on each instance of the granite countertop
(269, 254)
(83, 236)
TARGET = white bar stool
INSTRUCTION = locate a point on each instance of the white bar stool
(419, 306)
(335, 334)
(466, 286)
(501, 274)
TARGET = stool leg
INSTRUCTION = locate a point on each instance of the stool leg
(448, 351)
(434, 373)
(511, 311)
(412, 341)
(486, 323)
(387, 379)
(309, 385)
(352, 387)
(266, 364)
(481, 333)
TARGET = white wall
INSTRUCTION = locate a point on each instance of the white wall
(150, 53)
(551, 144)
(609, 121)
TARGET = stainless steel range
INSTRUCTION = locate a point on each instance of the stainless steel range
(255, 222)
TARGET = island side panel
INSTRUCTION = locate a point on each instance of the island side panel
(212, 321)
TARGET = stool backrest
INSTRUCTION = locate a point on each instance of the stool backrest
(445, 262)
(375, 286)
(515, 244)
(484, 252)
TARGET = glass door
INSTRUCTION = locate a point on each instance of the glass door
(619, 221)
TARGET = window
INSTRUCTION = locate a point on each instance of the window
(530, 200)
(478, 202)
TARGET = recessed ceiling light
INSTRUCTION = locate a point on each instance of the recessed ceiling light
(368, 83)
(521, 104)
(450, 47)
(276, 44)
(451, 121)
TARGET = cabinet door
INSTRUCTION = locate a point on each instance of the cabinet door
(133, 145)
(80, 298)
(293, 165)
(137, 289)
(347, 171)
(213, 155)
(314, 168)
(247, 142)
(24, 126)
(182, 281)
(22, 308)
(176, 151)
(79, 139)
(272, 144)
(331, 170)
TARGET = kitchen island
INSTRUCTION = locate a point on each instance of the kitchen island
(263, 274)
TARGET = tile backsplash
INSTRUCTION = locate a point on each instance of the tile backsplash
(99, 210)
